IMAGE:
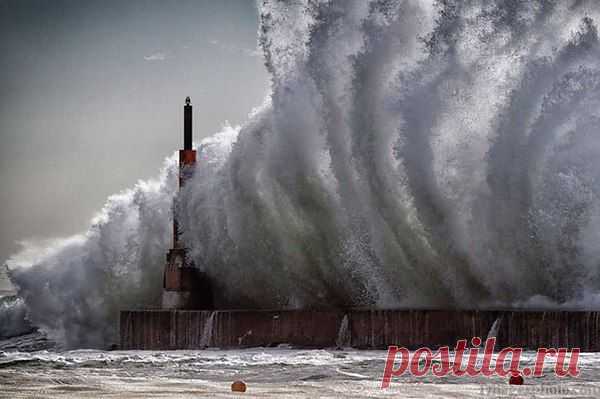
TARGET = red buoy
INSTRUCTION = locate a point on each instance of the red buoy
(516, 378)
(238, 386)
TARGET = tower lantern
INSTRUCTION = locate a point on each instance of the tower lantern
(184, 285)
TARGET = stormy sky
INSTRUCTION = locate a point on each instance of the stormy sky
(91, 96)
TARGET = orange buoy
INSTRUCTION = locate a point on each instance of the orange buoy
(238, 386)
(516, 379)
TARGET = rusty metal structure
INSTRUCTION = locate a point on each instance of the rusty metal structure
(364, 328)
(184, 286)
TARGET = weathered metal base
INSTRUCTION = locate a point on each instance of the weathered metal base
(176, 299)
(358, 328)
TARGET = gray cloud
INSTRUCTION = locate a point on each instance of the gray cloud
(158, 56)
(96, 86)
(233, 49)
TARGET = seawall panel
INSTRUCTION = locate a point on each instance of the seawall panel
(369, 329)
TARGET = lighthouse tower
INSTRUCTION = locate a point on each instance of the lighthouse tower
(184, 286)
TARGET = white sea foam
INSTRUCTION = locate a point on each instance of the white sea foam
(410, 153)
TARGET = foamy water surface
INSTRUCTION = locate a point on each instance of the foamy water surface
(269, 373)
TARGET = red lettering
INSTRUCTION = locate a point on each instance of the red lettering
(416, 360)
(515, 356)
(389, 365)
(461, 344)
(488, 352)
(540, 358)
(442, 368)
(473, 352)
(572, 369)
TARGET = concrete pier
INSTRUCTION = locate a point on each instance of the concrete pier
(367, 329)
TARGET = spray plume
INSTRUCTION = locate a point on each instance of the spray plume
(410, 154)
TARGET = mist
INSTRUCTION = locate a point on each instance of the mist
(409, 154)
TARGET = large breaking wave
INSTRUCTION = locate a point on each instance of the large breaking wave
(410, 154)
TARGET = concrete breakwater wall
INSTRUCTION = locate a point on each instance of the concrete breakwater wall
(359, 328)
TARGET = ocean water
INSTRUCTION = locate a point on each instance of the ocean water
(409, 153)
(268, 373)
